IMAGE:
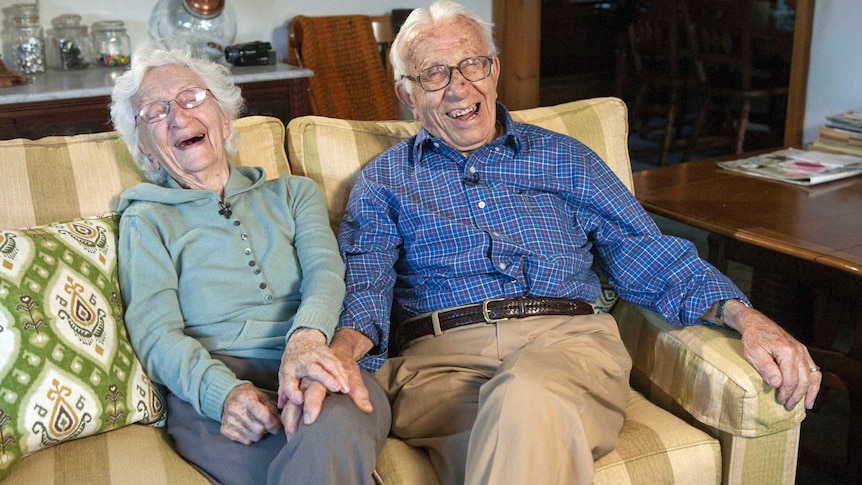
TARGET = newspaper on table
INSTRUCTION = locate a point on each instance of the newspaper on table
(796, 166)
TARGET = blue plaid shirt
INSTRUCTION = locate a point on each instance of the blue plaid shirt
(427, 229)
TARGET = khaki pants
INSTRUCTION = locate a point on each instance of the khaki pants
(532, 400)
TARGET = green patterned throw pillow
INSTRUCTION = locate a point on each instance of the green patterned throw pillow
(67, 369)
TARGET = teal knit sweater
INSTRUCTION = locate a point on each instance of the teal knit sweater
(195, 281)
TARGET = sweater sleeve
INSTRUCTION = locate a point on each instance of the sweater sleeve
(155, 324)
(320, 262)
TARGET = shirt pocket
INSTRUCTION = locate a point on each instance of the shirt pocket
(542, 222)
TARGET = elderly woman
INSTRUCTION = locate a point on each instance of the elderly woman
(233, 286)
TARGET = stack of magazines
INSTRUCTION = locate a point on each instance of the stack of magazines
(801, 167)
(841, 134)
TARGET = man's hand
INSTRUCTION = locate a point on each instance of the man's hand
(782, 361)
(347, 346)
(248, 415)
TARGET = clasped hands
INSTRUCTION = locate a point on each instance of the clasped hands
(309, 370)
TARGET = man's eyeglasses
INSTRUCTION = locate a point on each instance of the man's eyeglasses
(159, 110)
(435, 78)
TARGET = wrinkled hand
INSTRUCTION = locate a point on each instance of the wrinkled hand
(307, 359)
(248, 415)
(346, 347)
(782, 361)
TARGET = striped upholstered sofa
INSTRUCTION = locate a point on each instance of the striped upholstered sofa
(697, 412)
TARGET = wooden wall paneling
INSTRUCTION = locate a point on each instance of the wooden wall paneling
(517, 27)
(795, 120)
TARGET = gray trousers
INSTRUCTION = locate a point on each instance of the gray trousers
(340, 447)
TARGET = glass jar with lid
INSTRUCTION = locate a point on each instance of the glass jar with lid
(111, 44)
(28, 39)
(68, 44)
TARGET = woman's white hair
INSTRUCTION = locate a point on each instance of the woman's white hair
(422, 19)
(151, 54)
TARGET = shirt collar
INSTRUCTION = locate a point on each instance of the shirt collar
(509, 138)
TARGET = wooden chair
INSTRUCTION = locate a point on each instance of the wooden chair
(666, 76)
(723, 47)
(349, 81)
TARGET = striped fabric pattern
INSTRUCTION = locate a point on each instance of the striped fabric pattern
(658, 447)
(700, 373)
(61, 178)
(133, 454)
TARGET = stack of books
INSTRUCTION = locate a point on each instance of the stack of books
(841, 134)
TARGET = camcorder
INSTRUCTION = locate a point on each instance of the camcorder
(255, 53)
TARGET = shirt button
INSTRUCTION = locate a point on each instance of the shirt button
(481, 205)
(235, 223)
(496, 149)
(268, 298)
(495, 234)
(262, 286)
(256, 271)
(252, 263)
(502, 266)
(244, 236)
(247, 250)
(472, 169)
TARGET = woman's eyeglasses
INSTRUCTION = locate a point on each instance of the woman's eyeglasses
(159, 110)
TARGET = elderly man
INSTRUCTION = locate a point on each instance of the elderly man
(480, 219)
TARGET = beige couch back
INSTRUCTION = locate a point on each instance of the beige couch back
(59, 178)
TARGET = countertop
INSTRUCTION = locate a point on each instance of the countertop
(99, 81)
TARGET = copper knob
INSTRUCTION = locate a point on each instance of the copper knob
(204, 8)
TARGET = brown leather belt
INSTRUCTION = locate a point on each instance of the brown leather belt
(489, 311)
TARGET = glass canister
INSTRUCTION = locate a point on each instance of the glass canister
(68, 45)
(28, 39)
(111, 44)
(206, 25)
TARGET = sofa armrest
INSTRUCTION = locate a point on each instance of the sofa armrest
(701, 370)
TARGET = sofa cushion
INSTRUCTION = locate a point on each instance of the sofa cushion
(655, 447)
(67, 368)
(332, 152)
(59, 178)
(134, 454)
(730, 396)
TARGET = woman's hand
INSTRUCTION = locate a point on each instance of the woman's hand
(347, 346)
(248, 415)
(308, 358)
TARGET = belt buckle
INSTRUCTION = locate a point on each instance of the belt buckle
(485, 310)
